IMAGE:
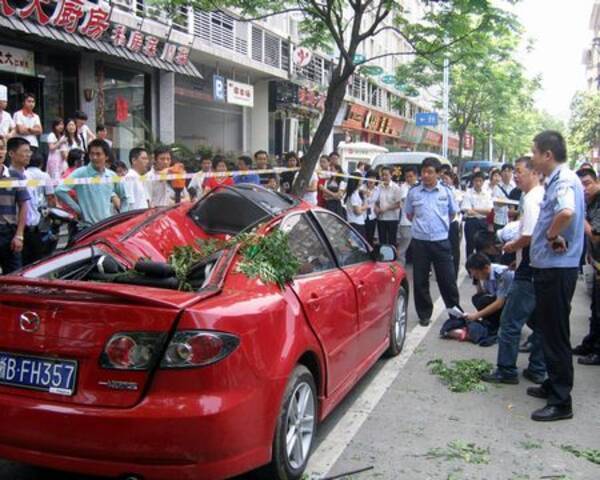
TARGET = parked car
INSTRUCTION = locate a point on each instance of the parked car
(398, 161)
(107, 374)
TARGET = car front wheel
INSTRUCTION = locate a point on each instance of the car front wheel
(296, 426)
(398, 324)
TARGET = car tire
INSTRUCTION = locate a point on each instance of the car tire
(292, 447)
(398, 324)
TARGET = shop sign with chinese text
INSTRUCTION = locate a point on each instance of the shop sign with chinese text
(93, 21)
(16, 60)
(240, 94)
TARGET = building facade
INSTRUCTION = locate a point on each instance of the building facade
(591, 56)
(112, 61)
(201, 79)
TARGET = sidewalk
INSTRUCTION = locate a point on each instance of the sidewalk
(418, 413)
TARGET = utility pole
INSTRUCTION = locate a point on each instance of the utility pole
(446, 107)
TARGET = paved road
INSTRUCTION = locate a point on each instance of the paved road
(400, 412)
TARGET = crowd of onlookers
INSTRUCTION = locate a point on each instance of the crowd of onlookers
(525, 230)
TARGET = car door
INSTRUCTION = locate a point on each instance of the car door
(374, 282)
(327, 296)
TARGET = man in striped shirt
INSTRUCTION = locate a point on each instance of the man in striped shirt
(13, 207)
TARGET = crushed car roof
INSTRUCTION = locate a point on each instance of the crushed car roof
(233, 209)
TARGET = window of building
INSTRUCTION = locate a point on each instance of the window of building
(124, 107)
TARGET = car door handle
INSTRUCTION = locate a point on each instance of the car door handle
(313, 301)
(361, 288)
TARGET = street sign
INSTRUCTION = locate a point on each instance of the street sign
(427, 119)
(218, 88)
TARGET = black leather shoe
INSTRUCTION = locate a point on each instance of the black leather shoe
(582, 350)
(497, 377)
(537, 392)
(591, 359)
(533, 378)
(551, 413)
(424, 321)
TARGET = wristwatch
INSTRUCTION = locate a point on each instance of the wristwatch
(19, 237)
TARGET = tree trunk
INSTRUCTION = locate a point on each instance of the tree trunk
(335, 97)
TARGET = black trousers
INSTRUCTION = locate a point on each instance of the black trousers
(592, 340)
(554, 289)
(360, 229)
(387, 231)
(472, 226)
(439, 254)
(33, 247)
(9, 260)
(370, 230)
(454, 238)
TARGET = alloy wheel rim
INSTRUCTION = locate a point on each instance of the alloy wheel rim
(300, 423)
(400, 323)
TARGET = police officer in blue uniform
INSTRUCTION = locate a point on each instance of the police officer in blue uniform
(556, 247)
(431, 206)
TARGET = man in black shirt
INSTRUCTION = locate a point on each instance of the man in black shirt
(287, 178)
(590, 346)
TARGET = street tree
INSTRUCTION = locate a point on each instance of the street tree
(515, 133)
(584, 124)
(342, 26)
(488, 86)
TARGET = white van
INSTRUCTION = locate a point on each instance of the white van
(398, 161)
(352, 153)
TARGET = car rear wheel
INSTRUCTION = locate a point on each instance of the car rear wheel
(398, 325)
(296, 426)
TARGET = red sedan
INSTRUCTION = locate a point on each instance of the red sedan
(110, 374)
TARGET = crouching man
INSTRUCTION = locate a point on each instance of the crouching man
(481, 326)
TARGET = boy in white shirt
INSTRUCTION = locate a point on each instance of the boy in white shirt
(136, 195)
(27, 123)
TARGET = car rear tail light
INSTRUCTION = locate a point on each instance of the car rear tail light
(197, 348)
(132, 350)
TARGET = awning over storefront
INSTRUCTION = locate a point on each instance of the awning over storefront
(79, 41)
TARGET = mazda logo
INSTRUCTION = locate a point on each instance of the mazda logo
(29, 322)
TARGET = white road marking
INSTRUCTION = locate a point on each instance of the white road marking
(331, 448)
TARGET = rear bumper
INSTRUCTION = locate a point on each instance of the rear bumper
(195, 437)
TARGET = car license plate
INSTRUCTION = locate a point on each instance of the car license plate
(45, 374)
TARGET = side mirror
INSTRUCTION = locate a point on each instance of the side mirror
(385, 253)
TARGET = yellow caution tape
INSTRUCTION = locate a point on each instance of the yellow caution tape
(155, 177)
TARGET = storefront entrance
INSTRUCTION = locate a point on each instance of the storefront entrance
(18, 86)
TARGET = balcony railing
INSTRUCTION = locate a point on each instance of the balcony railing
(140, 8)
(222, 30)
